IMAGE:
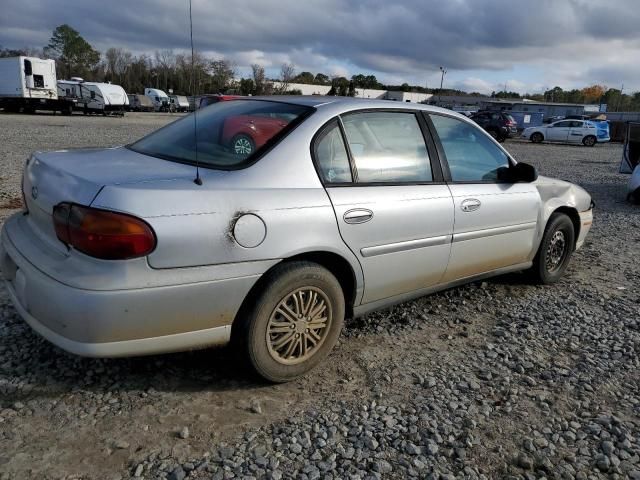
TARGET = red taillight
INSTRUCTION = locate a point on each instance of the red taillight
(103, 234)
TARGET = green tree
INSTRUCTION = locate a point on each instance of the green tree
(556, 94)
(504, 94)
(222, 73)
(370, 81)
(321, 79)
(258, 79)
(358, 80)
(246, 86)
(72, 52)
(304, 77)
(352, 89)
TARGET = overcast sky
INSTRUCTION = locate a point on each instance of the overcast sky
(529, 45)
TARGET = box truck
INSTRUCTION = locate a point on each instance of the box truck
(28, 84)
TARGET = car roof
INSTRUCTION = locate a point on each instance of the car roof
(350, 103)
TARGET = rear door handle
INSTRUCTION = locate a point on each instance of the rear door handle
(357, 215)
(470, 205)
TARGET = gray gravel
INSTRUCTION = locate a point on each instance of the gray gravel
(498, 379)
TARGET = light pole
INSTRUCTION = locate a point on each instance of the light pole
(444, 72)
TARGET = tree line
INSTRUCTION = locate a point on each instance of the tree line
(614, 98)
(166, 70)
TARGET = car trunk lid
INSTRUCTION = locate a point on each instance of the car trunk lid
(77, 176)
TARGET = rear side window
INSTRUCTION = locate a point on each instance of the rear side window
(387, 147)
(229, 134)
(471, 155)
(331, 155)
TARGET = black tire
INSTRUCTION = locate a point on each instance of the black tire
(536, 137)
(263, 315)
(549, 263)
(494, 134)
(634, 197)
(243, 145)
(589, 141)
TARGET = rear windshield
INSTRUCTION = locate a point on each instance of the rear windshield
(229, 134)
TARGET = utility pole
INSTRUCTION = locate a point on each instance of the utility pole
(444, 72)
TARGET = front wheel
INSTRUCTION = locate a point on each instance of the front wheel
(589, 141)
(555, 250)
(243, 145)
(536, 137)
(294, 322)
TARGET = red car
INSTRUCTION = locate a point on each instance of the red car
(245, 133)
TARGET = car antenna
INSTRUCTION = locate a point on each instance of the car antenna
(197, 180)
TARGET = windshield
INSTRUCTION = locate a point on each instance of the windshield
(229, 134)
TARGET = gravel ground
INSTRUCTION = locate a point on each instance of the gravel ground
(498, 379)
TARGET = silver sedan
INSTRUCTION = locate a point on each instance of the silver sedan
(268, 221)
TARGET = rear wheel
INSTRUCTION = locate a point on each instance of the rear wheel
(294, 322)
(555, 250)
(494, 134)
(536, 137)
(589, 141)
(243, 145)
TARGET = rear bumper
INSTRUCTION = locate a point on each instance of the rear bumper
(586, 219)
(121, 322)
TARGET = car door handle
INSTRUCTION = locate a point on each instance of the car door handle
(357, 215)
(470, 205)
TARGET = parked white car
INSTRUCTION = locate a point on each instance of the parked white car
(565, 131)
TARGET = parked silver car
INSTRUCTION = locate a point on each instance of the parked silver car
(335, 208)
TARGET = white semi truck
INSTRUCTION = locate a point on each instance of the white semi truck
(28, 84)
(159, 98)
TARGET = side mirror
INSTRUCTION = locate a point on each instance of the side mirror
(520, 172)
(523, 172)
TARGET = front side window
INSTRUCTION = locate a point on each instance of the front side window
(472, 156)
(228, 134)
(387, 147)
(331, 155)
(566, 124)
